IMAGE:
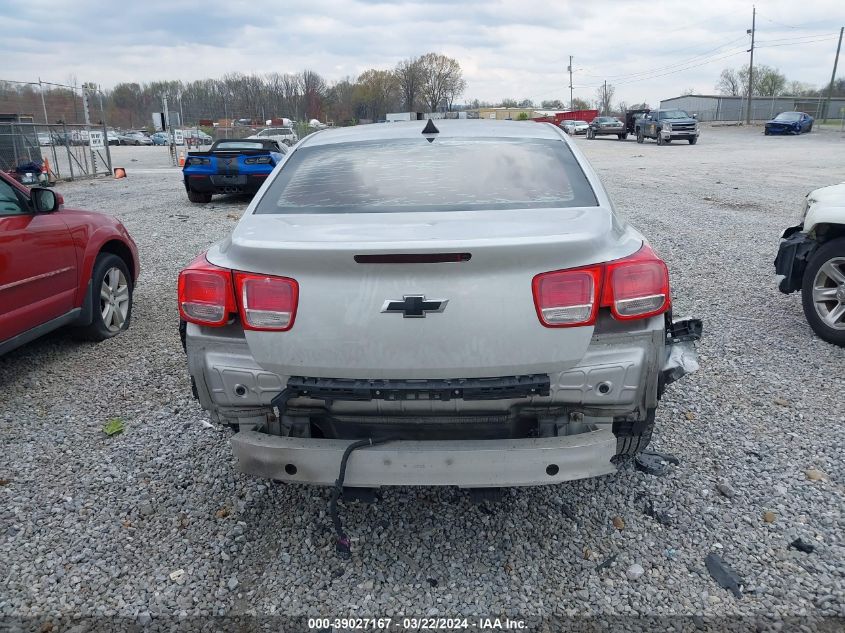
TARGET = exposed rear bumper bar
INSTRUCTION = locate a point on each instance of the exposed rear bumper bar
(467, 463)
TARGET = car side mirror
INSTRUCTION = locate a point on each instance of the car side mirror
(45, 200)
(694, 116)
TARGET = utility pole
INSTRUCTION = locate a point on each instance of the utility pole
(571, 97)
(832, 76)
(751, 64)
(604, 105)
(43, 102)
(169, 129)
(87, 114)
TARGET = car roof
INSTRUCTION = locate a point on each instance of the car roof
(454, 128)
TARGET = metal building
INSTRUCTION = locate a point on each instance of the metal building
(725, 108)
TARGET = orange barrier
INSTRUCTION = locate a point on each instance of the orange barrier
(119, 172)
(181, 159)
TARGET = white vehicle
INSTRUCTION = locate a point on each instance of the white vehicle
(811, 258)
(575, 127)
(462, 295)
(282, 135)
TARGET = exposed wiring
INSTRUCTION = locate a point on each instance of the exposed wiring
(343, 545)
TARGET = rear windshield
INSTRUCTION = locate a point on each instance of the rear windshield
(395, 176)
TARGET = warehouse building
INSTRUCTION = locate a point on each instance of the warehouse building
(726, 108)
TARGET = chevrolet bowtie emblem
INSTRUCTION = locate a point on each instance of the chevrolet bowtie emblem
(414, 306)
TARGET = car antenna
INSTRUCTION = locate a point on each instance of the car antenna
(430, 130)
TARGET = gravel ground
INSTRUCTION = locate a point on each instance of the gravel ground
(98, 527)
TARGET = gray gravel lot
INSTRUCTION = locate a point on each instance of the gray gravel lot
(94, 526)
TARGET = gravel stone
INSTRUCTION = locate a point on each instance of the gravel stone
(634, 572)
(72, 498)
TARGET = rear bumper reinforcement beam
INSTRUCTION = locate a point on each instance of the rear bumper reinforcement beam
(465, 463)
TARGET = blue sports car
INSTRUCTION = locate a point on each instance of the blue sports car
(789, 123)
(230, 166)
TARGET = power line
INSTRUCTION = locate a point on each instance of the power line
(826, 39)
(798, 38)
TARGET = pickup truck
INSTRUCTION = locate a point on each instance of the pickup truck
(811, 259)
(230, 166)
(666, 126)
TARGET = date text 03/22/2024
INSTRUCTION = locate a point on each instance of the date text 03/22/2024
(415, 624)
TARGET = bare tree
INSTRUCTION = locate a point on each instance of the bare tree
(409, 75)
(442, 80)
(604, 97)
(313, 92)
(552, 104)
(729, 83)
(580, 104)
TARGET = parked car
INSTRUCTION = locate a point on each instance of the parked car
(196, 137)
(160, 138)
(135, 138)
(63, 267)
(666, 126)
(575, 127)
(45, 139)
(604, 125)
(283, 135)
(484, 332)
(113, 137)
(811, 259)
(234, 165)
(789, 123)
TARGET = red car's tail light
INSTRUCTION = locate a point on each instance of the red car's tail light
(635, 287)
(205, 293)
(567, 298)
(266, 303)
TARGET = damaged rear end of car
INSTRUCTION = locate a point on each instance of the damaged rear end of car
(463, 303)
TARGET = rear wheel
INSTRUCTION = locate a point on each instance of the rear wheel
(766, 132)
(640, 137)
(621, 137)
(111, 298)
(199, 197)
(823, 292)
(660, 140)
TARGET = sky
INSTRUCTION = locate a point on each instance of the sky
(507, 48)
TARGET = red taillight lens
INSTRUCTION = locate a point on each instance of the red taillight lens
(205, 293)
(267, 303)
(635, 287)
(567, 298)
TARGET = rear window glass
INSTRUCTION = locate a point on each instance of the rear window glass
(450, 174)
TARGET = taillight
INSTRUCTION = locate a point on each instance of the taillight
(261, 160)
(567, 298)
(195, 160)
(635, 287)
(266, 303)
(205, 293)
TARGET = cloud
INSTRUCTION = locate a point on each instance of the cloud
(508, 48)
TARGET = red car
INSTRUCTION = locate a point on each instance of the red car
(61, 267)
